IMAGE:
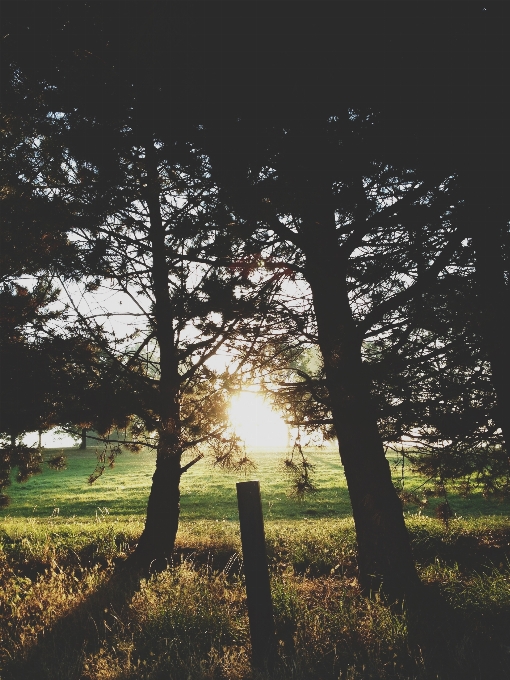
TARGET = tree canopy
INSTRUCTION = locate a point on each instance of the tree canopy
(270, 208)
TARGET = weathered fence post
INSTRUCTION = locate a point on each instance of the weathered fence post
(258, 589)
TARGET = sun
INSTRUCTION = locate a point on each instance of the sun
(256, 423)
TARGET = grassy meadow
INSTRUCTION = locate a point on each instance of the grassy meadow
(66, 613)
(209, 492)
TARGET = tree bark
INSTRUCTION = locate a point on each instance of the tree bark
(487, 225)
(157, 541)
(83, 443)
(384, 554)
(158, 537)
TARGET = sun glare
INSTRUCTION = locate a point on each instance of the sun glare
(256, 423)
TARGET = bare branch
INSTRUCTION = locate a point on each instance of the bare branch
(186, 467)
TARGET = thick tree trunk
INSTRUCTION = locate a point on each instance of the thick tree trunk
(384, 554)
(83, 444)
(157, 540)
(487, 225)
(495, 302)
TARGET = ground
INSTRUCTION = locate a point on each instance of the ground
(68, 613)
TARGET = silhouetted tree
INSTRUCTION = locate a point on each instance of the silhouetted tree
(145, 225)
(313, 194)
(488, 227)
(309, 186)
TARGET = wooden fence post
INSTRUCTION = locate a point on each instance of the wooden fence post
(258, 589)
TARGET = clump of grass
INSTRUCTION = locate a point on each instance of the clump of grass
(483, 594)
(185, 622)
(473, 543)
(312, 548)
(29, 607)
(36, 545)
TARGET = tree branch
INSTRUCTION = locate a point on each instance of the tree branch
(418, 286)
(186, 467)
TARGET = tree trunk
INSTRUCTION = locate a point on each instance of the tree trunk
(384, 554)
(83, 444)
(158, 537)
(157, 541)
(487, 225)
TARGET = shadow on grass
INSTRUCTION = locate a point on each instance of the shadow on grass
(59, 653)
(441, 641)
(456, 642)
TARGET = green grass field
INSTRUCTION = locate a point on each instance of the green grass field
(208, 492)
(66, 614)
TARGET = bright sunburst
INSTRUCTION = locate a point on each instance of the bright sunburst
(256, 423)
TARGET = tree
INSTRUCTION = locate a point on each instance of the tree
(487, 225)
(160, 252)
(432, 384)
(22, 400)
(33, 240)
(141, 218)
(24, 371)
(50, 379)
(460, 128)
(316, 213)
(315, 195)
(49, 374)
(458, 323)
(146, 228)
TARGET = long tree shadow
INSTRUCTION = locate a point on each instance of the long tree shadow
(60, 653)
(455, 643)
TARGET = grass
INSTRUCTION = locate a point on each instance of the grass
(66, 614)
(208, 492)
